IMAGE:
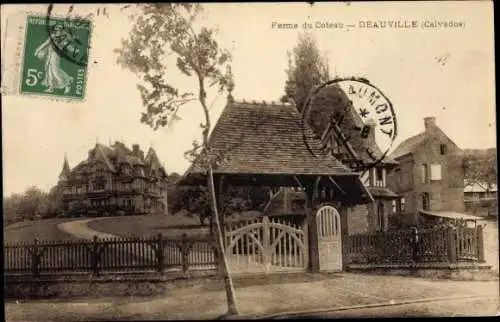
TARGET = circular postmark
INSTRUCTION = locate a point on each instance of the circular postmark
(352, 120)
(69, 36)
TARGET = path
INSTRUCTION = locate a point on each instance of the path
(265, 296)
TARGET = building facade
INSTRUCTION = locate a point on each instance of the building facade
(430, 175)
(481, 201)
(114, 180)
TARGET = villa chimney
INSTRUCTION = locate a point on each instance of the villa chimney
(429, 122)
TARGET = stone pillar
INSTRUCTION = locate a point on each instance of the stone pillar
(452, 244)
(480, 244)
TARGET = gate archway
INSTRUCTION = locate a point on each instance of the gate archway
(329, 239)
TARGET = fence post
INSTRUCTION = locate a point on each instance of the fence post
(480, 244)
(185, 253)
(452, 245)
(95, 256)
(36, 258)
(160, 254)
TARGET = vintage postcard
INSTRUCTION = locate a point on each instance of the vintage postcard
(249, 160)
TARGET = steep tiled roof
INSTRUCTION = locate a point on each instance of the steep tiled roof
(334, 98)
(408, 145)
(259, 138)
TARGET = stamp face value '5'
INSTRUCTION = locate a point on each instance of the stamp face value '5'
(55, 57)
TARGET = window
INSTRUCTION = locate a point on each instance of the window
(99, 186)
(380, 177)
(425, 201)
(423, 173)
(442, 148)
(380, 217)
(402, 204)
(435, 172)
(394, 207)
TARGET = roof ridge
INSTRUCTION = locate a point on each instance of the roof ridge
(106, 160)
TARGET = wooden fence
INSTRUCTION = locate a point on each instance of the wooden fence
(426, 245)
(111, 255)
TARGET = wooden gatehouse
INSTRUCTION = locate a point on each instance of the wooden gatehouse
(262, 145)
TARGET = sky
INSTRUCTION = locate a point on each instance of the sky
(443, 72)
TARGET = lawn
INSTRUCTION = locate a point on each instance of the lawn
(27, 231)
(149, 225)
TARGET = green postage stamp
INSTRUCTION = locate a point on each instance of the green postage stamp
(55, 56)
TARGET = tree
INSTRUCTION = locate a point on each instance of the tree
(307, 68)
(34, 204)
(193, 200)
(173, 177)
(163, 31)
(480, 168)
(196, 200)
(54, 200)
(11, 212)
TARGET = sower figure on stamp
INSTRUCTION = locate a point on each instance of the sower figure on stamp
(54, 76)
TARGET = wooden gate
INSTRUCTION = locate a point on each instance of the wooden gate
(262, 245)
(329, 239)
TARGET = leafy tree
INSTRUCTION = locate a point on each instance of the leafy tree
(55, 204)
(34, 204)
(164, 31)
(480, 168)
(11, 212)
(196, 200)
(173, 177)
(307, 68)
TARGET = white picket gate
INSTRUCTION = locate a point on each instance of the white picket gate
(329, 239)
(262, 245)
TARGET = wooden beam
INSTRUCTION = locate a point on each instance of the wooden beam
(336, 185)
(298, 182)
(315, 189)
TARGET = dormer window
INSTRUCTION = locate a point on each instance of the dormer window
(379, 180)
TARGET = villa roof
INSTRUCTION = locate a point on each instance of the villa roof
(113, 156)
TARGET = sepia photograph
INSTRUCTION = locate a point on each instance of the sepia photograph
(180, 161)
